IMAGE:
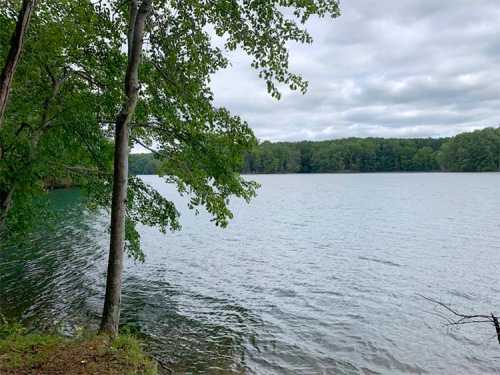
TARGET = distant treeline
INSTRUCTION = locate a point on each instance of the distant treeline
(478, 151)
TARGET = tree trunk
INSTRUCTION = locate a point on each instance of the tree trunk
(111, 312)
(5, 204)
(16, 46)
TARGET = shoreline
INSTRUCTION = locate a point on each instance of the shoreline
(23, 353)
(351, 172)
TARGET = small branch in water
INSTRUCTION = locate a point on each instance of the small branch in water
(461, 319)
(497, 326)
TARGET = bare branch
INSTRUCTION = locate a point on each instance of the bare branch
(88, 78)
(464, 318)
(146, 147)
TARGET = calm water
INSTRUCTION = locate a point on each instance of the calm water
(319, 275)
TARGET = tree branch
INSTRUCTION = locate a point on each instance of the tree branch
(146, 147)
(461, 319)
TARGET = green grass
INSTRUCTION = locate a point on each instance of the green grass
(22, 353)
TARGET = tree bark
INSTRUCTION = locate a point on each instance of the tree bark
(16, 47)
(5, 204)
(111, 312)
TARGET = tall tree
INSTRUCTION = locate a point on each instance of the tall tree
(138, 15)
(200, 147)
(16, 47)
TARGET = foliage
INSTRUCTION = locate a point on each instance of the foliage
(351, 155)
(143, 164)
(68, 89)
(198, 146)
(345, 155)
(8, 329)
(478, 151)
(52, 121)
(468, 152)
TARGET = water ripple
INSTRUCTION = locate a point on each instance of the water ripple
(320, 275)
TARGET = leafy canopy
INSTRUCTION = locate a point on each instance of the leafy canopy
(199, 147)
(63, 84)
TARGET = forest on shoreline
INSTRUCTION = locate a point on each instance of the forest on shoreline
(477, 151)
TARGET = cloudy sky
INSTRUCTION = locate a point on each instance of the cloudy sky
(385, 68)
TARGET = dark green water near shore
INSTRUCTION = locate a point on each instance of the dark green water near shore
(319, 275)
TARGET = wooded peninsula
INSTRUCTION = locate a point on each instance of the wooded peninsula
(477, 151)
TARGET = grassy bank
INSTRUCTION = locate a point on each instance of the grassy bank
(23, 354)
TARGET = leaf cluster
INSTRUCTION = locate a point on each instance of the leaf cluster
(69, 87)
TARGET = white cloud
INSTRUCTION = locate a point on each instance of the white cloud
(384, 68)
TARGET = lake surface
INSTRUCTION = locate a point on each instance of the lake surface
(320, 274)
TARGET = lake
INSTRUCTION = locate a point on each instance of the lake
(320, 274)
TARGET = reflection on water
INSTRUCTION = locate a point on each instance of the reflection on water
(55, 280)
(48, 276)
(319, 275)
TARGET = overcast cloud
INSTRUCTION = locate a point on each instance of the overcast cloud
(385, 68)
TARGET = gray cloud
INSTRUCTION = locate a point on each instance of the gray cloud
(384, 68)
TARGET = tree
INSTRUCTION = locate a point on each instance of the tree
(478, 151)
(424, 160)
(52, 129)
(6, 77)
(74, 75)
(138, 15)
(16, 47)
(201, 147)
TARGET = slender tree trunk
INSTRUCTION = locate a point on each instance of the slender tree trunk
(111, 312)
(16, 47)
(5, 204)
